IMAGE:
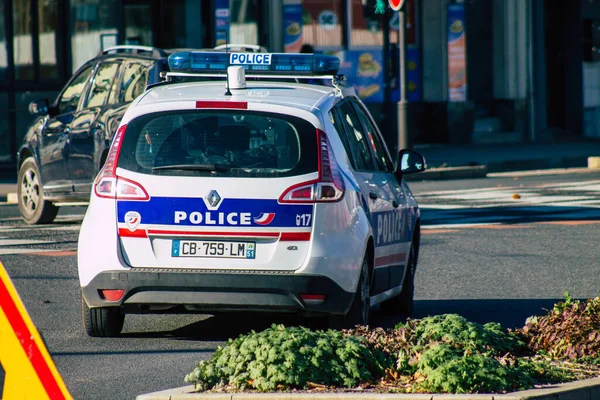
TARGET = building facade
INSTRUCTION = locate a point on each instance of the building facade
(478, 71)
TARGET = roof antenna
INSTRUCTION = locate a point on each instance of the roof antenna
(227, 91)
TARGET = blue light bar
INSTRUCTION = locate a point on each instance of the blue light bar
(258, 63)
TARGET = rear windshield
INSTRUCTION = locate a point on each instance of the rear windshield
(219, 143)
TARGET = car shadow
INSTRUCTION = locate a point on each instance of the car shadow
(223, 326)
(510, 313)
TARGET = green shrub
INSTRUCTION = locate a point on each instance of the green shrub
(292, 357)
(454, 355)
(439, 354)
(448, 370)
(461, 333)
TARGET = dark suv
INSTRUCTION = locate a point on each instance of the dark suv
(67, 143)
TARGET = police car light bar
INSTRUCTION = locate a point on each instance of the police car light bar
(258, 63)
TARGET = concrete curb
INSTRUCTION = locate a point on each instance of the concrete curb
(8, 193)
(11, 198)
(481, 171)
(593, 162)
(587, 389)
(478, 171)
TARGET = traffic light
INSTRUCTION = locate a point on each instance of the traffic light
(373, 9)
(591, 40)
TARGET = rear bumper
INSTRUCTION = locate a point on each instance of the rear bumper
(148, 290)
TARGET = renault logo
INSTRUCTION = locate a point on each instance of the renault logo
(213, 199)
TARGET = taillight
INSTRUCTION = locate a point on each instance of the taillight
(108, 184)
(327, 188)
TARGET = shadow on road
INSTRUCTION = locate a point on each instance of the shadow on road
(221, 327)
(510, 313)
(507, 215)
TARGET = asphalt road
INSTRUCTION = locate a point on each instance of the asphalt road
(485, 255)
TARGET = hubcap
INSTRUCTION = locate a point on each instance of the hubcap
(30, 191)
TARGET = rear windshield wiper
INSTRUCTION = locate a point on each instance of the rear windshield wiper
(193, 167)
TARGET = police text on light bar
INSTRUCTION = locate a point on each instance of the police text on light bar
(250, 58)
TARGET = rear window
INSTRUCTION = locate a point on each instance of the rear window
(219, 143)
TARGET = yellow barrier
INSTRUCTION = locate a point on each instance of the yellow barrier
(28, 369)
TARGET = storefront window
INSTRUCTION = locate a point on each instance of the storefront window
(23, 41)
(3, 47)
(315, 22)
(48, 24)
(138, 24)
(488, 68)
(244, 21)
(91, 21)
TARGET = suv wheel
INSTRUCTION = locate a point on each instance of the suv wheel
(102, 322)
(32, 206)
(359, 311)
(404, 303)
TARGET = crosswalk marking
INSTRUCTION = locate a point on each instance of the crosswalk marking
(57, 239)
(570, 194)
(569, 204)
(588, 185)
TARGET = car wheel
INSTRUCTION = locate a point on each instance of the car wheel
(102, 322)
(404, 303)
(32, 206)
(359, 311)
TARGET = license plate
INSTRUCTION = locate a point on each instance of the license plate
(213, 249)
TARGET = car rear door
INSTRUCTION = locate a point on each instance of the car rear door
(86, 125)
(216, 198)
(373, 186)
(391, 224)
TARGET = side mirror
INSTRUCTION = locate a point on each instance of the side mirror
(409, 162)
(39, 108)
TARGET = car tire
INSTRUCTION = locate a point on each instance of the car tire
(359, 311)
(403, 304)
(33, 207)
(102, 322)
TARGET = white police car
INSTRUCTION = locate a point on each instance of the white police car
(258, 195)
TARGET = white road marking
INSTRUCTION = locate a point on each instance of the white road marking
(582, 184)
(25, 251)
(442, 206)
(541, 172)
(554, 199)
(22, 228)
(456, 226)
(18, 242)
(487, 195)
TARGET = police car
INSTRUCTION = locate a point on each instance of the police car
(229, 188)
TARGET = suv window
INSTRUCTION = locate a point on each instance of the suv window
(374, 139)
(102, 84)
(69, 99)
(133, 83)
(241, 144)
(361, 154)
